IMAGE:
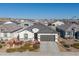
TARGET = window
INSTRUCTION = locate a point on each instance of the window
(69, 33)
(25, 36)
(53, 24)
(26, 24)
(5, 34)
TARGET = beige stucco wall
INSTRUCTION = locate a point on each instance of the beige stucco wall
(30, 35)
(3, 37)
(21, 35)
(15, 34)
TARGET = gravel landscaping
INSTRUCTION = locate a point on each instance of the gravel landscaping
(46, 49)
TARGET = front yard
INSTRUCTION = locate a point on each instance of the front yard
(68, 45)
(19, 46)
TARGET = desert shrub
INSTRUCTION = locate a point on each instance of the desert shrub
(36, 46)
(31, 49)
(76, 40)
(21, 49)
(36, 42)
(2, 42)
(75, 45)
(0, 46)
(19, 43)
(68, 49)
(71, 45)
(65, 45)
(62, 42)
(26, 45)
(11, 50)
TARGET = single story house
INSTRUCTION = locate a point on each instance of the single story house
(25, 22)
(57, 23)
(8, 22)
(43, 21)
(69, 31)
(44, 33)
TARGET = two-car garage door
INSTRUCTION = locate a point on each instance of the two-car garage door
(47, 37)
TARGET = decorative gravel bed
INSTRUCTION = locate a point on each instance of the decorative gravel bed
(28, 46)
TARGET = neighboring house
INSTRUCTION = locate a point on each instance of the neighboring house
(7, 31)
(57, 23)
(25, 22)
(9, 22)
(69, 31)
(44, 21)
(77, 32)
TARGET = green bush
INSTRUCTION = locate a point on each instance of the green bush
(11, 50)
(0, 46)
(75, 45)
(34, 47)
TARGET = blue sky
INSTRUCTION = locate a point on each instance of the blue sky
(39, 11)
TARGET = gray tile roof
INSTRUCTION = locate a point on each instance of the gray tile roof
(42, 28)
(9, 28)
(64, 27)
(68, 27)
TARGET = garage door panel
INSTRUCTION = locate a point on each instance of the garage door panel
(47, 37)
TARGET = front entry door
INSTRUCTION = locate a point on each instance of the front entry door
(35, 36)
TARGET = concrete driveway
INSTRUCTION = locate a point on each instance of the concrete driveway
(48, 47)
